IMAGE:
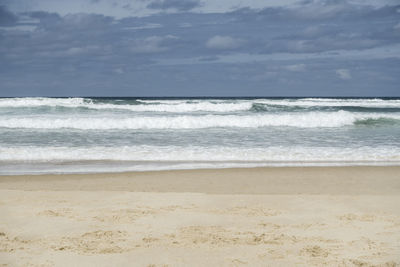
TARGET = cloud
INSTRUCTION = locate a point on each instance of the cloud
(73, 51)
(152, 44)
(296, 67)
(343, 74)
(312, 31)
(321, 10)
(208, 59)
(277, 44)
(223, 42)
(328, 43)
(144, 27)
(180, 5)
(84, 20)
(119, 71)
(6, 17)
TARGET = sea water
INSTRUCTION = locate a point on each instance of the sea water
(69, 135)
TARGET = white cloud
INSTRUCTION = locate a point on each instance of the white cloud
(343, 74)
(296, 67)
(221, 6)
(119, 71)
(152, 44)
(318, 10)
(223, 42)
(72, 51)
(185, 25)
(75, 50)
(144, 27)
(21, 28)
(312, 31)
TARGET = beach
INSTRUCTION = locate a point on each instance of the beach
(199, 133)
(272, 216)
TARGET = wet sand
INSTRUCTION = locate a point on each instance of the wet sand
(311, 216)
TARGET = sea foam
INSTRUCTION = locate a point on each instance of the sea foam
(199, 153)
(303, 120)
(187, 106)
(173, 106)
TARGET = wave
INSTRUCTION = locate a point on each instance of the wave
(260, 108)
(377, 121)
(303, 120)
(209, 105)
(349, 99)
(42, 101)
(323, 102)
(198, 153)
(173, 106)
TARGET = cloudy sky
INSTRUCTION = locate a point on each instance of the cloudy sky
(199, 48)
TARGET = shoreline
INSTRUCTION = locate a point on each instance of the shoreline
(258, 180)
(101, 167)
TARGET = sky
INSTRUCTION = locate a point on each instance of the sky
(199, 48)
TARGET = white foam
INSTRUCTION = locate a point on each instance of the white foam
(177, 106)
(180, 106)
(304, 120)
(331, 102)
(41, 101)
(144, 153)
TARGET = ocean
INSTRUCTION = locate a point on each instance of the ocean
(83, 135)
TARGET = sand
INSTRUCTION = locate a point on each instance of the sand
(311, 216)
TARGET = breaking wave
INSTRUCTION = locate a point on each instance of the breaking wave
(304, 120)
(187, 106)
(175, 106)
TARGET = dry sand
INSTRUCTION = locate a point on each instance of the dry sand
(312, 216)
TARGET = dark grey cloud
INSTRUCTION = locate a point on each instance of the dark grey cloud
(320, 27)
(6, 17)
(181, 5)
